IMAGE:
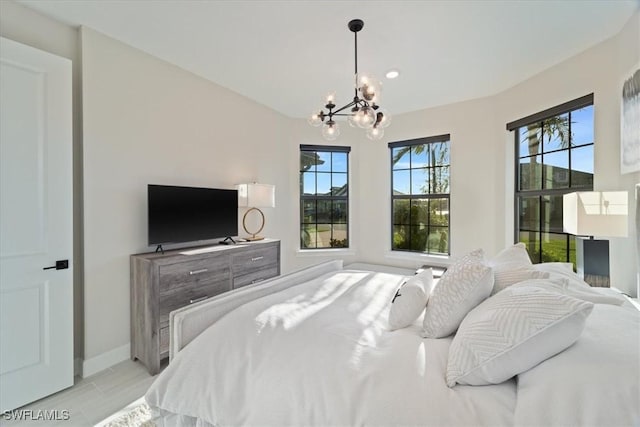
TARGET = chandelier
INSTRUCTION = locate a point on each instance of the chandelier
(363, 111)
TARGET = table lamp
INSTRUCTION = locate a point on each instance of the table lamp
(594, 213)
(255, 196)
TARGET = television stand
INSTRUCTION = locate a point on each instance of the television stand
(159, 248)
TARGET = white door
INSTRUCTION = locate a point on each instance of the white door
(36, 305)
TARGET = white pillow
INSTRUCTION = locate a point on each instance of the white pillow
(512, 332)
(565, 287)
(506, 278)
(510, 258)
(554, 266)
(410, 300)
(462, 287)
(564, 270)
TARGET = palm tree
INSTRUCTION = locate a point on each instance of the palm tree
(437, 176)
(308, 159)
(557, 126)
(440, 182)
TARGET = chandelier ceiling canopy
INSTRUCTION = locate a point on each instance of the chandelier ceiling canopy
(363, 111)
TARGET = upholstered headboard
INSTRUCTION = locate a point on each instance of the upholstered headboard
(188, 322)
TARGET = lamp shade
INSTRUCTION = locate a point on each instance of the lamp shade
(256, 195)
(595, 213)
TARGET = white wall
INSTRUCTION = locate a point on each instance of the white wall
(147, 121)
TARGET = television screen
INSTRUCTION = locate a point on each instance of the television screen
(189, 214)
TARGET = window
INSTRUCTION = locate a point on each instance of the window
(554, 156)
(324, 197)
(420, 170)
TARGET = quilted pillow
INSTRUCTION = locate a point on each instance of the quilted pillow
(510, 258)
(462, 287)
(512, 332)
(564, 270)
(566, 287)
(506, 278)
(554, 267)
(410, 300)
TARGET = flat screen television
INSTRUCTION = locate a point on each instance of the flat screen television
(190, 214)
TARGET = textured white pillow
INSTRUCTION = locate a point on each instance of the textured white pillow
(506, 278)
(510, 258)
(554, 266)
(410, 300)
(566, 287)
(512, 332)
(462, 287)
(564, 270)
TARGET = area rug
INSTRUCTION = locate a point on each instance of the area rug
(136, 414)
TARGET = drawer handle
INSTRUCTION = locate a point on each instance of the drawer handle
(258, 258)
(195, 300)
(203, 270)
(256, 281)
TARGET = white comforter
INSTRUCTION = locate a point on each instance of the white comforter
(595, 382)
(320, 353)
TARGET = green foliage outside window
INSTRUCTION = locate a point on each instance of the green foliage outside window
(555, 157)
(420, 196)
(324, 201)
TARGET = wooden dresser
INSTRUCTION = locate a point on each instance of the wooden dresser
(161, 283)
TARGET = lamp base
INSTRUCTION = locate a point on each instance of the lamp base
(592, 259)
(253, 238)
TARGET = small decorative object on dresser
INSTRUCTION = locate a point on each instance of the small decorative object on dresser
(255, 196)
(161, 283)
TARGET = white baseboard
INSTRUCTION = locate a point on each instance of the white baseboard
(105, 360)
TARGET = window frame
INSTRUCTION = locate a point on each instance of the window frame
(540, 117)
(302, 197)
(429, 196)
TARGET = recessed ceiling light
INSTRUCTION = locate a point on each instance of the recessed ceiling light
(392, 74)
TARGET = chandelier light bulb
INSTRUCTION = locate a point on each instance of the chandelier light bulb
(353, 118)
(368, 92)
(369, 87)
(330, 98)
(314, 119)
(331, 130)
(375, 133)
(367, 117)
(383, 119)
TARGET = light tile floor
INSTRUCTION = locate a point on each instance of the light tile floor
(92, 399)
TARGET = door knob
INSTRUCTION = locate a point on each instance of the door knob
(60, 265)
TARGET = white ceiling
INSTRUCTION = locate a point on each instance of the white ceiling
(289, 54)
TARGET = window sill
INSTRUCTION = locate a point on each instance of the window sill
(325, 252)
(434, 260)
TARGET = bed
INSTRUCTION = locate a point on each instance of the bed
(315, 348)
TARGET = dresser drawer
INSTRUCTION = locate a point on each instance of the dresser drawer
(254, 277)
(255, 259)
(190, 293)
(191, 274)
